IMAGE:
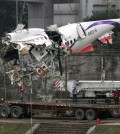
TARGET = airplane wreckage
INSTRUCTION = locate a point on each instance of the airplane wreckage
(37, 51)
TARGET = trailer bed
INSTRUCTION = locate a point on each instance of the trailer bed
(79, 110)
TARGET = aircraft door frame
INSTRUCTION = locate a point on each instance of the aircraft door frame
(81, 31)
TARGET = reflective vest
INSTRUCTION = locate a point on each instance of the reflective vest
(74, 90)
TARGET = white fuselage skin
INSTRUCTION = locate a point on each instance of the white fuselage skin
(35, 44)
(69, 34)
(92, 32)
(26, 35)
(33, 36)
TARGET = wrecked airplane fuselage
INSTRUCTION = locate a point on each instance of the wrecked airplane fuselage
(30, 51)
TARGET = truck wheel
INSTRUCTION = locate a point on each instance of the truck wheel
(79, 114)
(4, 111)
(90, 114)
(115, 113)
(16, 112)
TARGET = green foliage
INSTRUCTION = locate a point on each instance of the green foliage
(8, 16)
(106, 130)
(8, 128)
(103, 16)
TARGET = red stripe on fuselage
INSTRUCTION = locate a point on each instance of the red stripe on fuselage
(88, 48)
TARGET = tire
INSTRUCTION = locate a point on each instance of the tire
(90, 114)
(16, 112)
(4, 111)
(79, 114)
(115, 113)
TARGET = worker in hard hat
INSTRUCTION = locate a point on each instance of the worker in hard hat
(74, 93)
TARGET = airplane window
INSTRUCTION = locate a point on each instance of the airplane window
(75, 40)
(67, 42)
(71, 41)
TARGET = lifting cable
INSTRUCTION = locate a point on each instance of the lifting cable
(101, 85)
(22, 12)
(31, 93)
(70, 7)
(30, 75)
(59, 12)
(5, 83)
(112, 86)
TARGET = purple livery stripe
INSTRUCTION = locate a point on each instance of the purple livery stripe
(103, 22)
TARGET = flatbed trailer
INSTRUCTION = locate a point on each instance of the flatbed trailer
(19, 109)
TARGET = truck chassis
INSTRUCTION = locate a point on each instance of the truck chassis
(19, 109)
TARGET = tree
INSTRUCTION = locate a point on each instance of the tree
(108, 49)
(103, 16)
(8, 16)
